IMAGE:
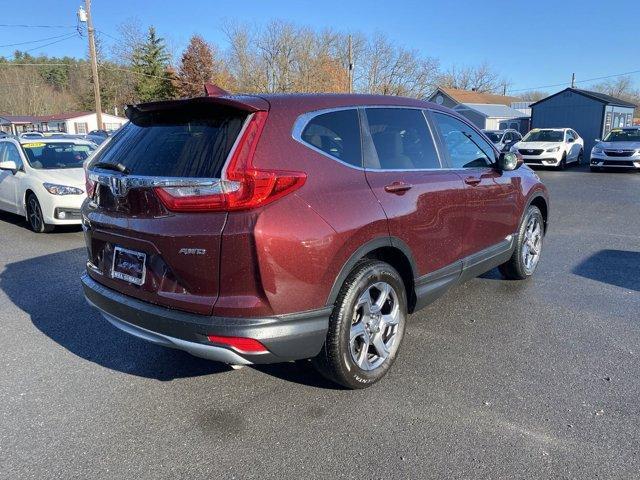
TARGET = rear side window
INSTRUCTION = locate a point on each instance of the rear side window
(337, 134)
(466, 148)
(401, 139)
(192, 143)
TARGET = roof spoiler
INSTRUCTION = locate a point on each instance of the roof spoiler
(215, 96)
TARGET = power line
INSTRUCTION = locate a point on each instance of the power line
(36, 26)
(51, 43)
(33, 41)
(577, 81)
(107, 35)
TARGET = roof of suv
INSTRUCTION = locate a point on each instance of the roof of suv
(297, 102)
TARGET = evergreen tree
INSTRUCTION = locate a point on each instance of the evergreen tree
(151, 62)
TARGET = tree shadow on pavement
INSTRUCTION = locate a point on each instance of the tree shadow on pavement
(615, 267)
(48, 289)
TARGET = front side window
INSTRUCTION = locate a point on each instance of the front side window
(12, 155)
(337, 134)
(466, 148)
(50, 156)
(401, 139)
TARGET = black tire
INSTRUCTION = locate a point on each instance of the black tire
(35, 219)
(580, 158)
(563, 163)
(336, 360)
(515, 268)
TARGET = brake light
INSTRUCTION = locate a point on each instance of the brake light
(243, 186)
(89, 184)
(241, 344)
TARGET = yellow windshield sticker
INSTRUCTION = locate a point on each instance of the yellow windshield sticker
(616, 130)
(33, 145)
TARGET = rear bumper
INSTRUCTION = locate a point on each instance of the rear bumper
(287, 337)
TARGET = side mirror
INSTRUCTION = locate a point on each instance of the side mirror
(509, 161)
(570, 140)
(9, 165)
(597, 140)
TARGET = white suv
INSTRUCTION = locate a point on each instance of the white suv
(552, 147)
(43, 179)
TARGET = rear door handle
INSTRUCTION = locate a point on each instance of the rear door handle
(399, 188)
(472, 180)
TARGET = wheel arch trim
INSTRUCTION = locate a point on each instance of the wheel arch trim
(363, 251)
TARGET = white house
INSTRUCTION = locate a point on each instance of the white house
(78, 122)
(491, 117)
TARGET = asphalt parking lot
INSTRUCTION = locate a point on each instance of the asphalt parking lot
(497, 379)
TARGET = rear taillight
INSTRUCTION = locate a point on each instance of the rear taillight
(243, 187)
(89, 184)
(240, 344)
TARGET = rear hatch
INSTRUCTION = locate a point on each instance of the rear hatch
(152, 225)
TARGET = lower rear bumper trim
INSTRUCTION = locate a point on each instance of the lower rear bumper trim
(287, 337)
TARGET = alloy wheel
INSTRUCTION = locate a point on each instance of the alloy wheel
(532, 245)
(35, 214)
(374, 328)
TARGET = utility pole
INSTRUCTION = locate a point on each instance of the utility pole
(573, 80)
(94, 63)
(350, 67)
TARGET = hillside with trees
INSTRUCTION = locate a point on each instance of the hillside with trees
(279, 57)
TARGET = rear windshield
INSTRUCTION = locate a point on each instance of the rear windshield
(175, 143)
(50, 156)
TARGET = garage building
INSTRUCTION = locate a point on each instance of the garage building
(591, 114)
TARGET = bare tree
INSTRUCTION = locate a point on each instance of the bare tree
(131, 35)
(532, 96)
(391, 70)
(245, 66)
(481, 78)
(23, 91)
(619, 87)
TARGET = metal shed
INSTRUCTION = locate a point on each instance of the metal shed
(591, 114)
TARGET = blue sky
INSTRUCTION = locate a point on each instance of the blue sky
(530, 43)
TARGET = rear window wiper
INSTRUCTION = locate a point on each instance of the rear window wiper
(117, 167)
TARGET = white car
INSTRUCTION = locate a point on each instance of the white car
(503, 139)
(551, 147)
(619, 149)
(43, 180)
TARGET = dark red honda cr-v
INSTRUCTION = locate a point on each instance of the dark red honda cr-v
(269, 228)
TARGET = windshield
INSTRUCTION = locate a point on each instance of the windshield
(544, 136)
(186, 143)
(49, 156)
(495, 137)
(618, 135)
